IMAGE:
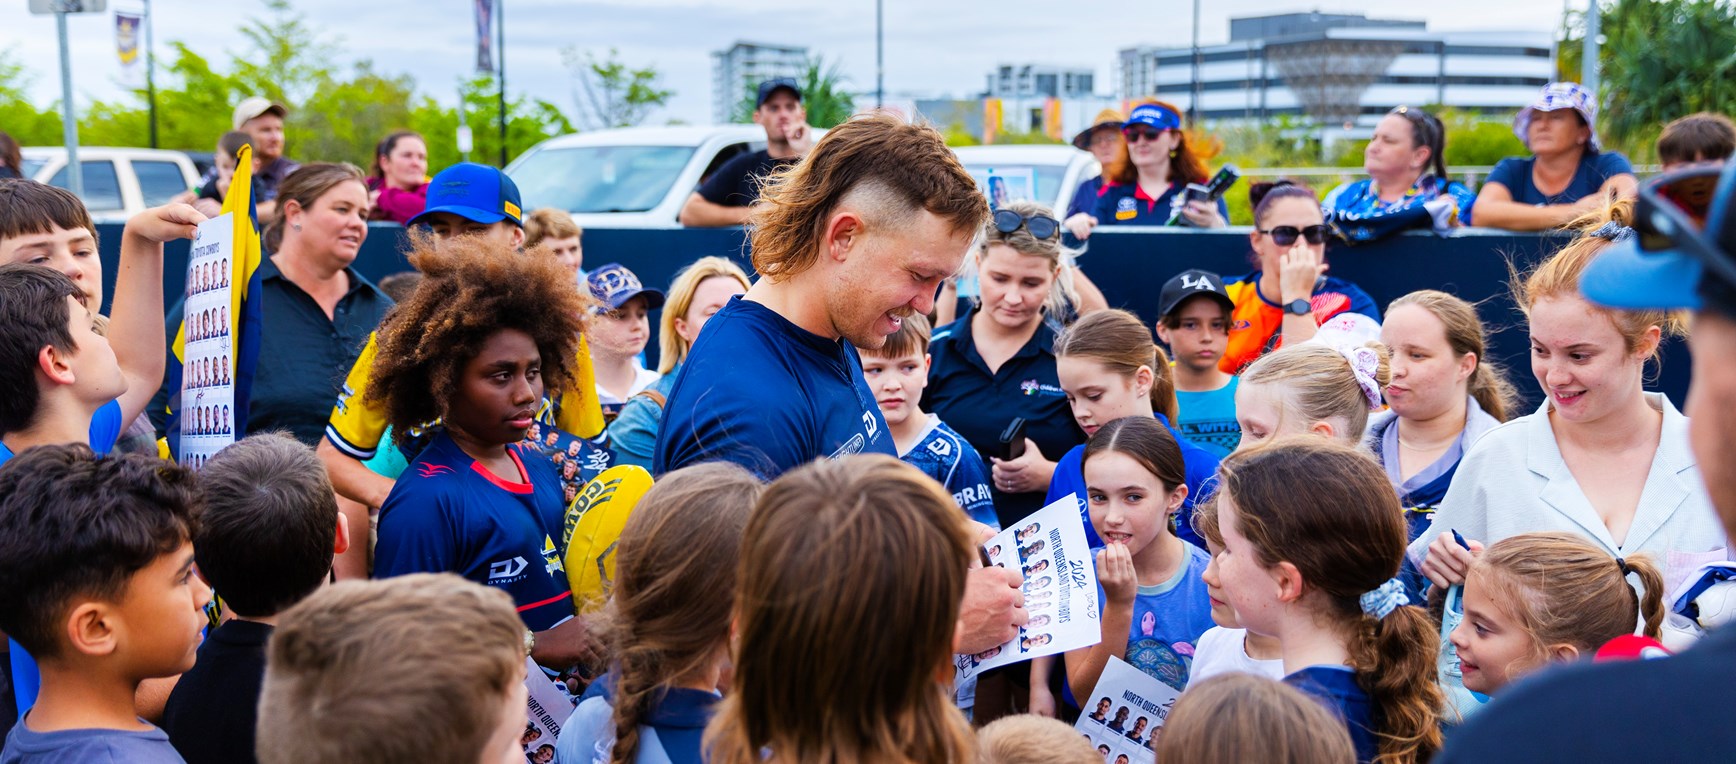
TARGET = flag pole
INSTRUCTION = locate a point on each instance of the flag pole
(151, 69)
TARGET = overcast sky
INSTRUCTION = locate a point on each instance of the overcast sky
(933, 47)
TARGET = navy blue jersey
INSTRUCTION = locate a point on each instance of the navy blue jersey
(449, 514)
(768, 395)
(1128, 204)
(1335, 687)
(944, 455)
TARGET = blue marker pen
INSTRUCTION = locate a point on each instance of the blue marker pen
(1461, 540)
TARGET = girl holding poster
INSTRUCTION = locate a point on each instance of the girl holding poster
(1313, 539)
(1153, 601)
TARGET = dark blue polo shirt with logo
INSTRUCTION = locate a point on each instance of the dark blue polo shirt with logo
(761, 392)
(980, 404)
(1128, 204)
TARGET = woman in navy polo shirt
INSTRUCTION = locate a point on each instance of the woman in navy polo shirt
(1142, 185)
(997, 364)
(1567, 174)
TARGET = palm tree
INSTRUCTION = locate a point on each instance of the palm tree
(828, 104)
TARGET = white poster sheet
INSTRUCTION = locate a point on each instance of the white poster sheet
(207, 410)
(1005, 185)
(549, 708)
(1049, 549)
(1125, 714)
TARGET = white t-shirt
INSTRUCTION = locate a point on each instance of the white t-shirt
(1223, 651)
(642, 378)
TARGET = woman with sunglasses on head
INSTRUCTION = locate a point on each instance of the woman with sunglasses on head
(1407, 185)
(1288, 296)
(997, 363)
(1143, 186)
(1567, 175)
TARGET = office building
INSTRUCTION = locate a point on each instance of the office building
(737, 71)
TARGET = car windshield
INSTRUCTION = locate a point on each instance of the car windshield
(1005, 183)
(30, 166)
(600, 178)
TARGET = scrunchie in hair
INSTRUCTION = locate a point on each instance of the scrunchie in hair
(1365, 365)
(1613, 232)
(1385, 598)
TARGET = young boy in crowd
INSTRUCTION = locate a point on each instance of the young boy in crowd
(555, 230)
(1696, 138)
(618, 334)
(62, 380)
(421, 668)
(1195, 324)
(897, 373)
(266, 540)
(96, 581)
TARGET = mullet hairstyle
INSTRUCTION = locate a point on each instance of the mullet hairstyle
(838, 662)
(675, 571)
(470, 290)
(33, 315)
(407, 670)
(1563, 590)
(674, 347)
(1119, 340)
(1235, 718)
(897, 168)
(75, 526)
(1329, 510)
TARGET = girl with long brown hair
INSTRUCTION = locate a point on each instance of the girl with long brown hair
(1313, 541)
(1145, 184)
(851, 575)
(667, 623)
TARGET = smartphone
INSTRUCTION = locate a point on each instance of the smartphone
(1013, 440)
(1210, 191)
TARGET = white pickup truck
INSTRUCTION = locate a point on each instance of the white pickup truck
(118, 182)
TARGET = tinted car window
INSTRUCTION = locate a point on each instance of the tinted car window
(600, 178)
(159, 181)
(102, 187)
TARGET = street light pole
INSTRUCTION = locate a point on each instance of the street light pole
(69, 122)
(1591, 73)
(879, 54)
(1193, 101)
(500, 43)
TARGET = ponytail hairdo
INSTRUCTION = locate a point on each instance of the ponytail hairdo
(1321, 384)
(675, 573)
(1121, 342)
(1564, 590)
(1330, 511)
(1488, 382)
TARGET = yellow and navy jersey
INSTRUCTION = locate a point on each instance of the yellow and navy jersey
(358, 423)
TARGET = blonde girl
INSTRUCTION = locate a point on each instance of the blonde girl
(1312, 388)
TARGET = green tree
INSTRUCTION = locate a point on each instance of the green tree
(823, 95)
(19, 117)
(609, 93)
(529, 121)
(1660, 59)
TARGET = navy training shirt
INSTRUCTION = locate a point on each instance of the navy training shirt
(1128, 204)
(1593, 171)
(761, 392)
(449, 514)
(979, 405)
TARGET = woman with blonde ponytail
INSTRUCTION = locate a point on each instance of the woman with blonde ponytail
(1443, 395)
(667, 624)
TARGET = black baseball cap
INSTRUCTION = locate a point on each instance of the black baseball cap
(773, 85)
(1189, 283)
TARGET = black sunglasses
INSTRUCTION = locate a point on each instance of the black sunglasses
(1137, 135)
(1285, 235)
(1671, 213)
(1040, 226)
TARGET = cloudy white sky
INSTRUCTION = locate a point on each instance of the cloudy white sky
(933, 47)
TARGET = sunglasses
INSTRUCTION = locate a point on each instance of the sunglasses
(1135, 136)
(1040, 226)
(1671, 214)
(1285, 235)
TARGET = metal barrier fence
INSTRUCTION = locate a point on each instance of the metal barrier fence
(1129, 264)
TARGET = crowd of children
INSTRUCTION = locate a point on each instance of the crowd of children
(1328, 535)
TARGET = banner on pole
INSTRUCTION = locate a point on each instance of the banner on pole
(128, 27)
(484, 36)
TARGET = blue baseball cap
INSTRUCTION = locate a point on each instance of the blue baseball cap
(1154, 114)
(474, 192)
(613, 285)
(1682, 247)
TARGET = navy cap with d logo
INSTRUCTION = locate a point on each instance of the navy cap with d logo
(474, 192)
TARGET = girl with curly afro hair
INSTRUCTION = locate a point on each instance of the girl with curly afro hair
(488, 335)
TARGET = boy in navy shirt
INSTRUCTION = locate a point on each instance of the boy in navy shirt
(96, 581)
(266, 539)
(897, 372)
(474, 348)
